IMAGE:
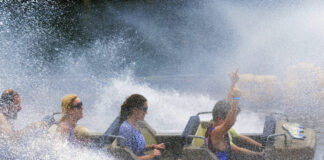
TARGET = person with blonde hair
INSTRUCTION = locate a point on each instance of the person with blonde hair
(72, 112)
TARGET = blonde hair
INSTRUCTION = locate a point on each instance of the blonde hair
(67, 101)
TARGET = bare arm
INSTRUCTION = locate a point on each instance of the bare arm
(250, 141)
(31, 127)
(155, 146)
(155, 153)
(245, 151)
(4, 127)
(234, 79)
(231, 115)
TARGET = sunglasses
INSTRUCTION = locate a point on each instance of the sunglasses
(144, 109)
(78, 106)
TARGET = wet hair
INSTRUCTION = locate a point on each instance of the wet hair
(8, 97)
(66, 104)
(126, 109)
(221, 110)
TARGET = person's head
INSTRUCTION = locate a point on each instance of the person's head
(220, 111)
(82, 134)
(10, 104)
(136, 105)
(71, 107)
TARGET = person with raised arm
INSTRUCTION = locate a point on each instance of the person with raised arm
(224, 116)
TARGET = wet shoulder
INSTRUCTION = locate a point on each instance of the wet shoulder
(2, 119)
(126, 128)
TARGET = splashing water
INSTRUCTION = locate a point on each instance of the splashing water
(46, 54)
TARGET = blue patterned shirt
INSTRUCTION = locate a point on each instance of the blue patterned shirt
(134, 138)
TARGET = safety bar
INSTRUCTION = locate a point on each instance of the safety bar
(277, 135)
(118, 137)
(199, 113)
(192, 136)
(104, 137)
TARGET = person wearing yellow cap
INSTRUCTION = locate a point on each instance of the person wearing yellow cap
(72, 111)
(82, 135)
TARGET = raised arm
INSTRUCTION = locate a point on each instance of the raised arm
(30, 128)
(233, 99)
(245, 151)
(250, 141)
(234, 77)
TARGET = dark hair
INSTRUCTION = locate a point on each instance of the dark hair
(221, 110)
(8, 97)
(126, 109)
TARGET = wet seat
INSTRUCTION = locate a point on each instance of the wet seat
(194, 134)
(284, 146)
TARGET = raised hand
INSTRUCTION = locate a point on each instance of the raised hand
(234, 77)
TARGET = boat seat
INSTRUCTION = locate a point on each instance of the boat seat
(111, 131)
(191, 128)
(196, 149)
(293, 148)
(269, 129)
(198, 142)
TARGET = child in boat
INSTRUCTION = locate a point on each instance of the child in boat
(224, 117)
(133, 110)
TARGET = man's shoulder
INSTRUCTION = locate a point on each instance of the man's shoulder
(2, 118)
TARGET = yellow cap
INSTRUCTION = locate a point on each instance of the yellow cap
(66, 100)
(81, 132)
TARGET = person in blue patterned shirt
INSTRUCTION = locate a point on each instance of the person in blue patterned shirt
(134, 109)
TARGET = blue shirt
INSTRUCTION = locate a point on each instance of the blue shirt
(134, 138)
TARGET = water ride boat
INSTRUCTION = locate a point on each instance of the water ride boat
(278, 140)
